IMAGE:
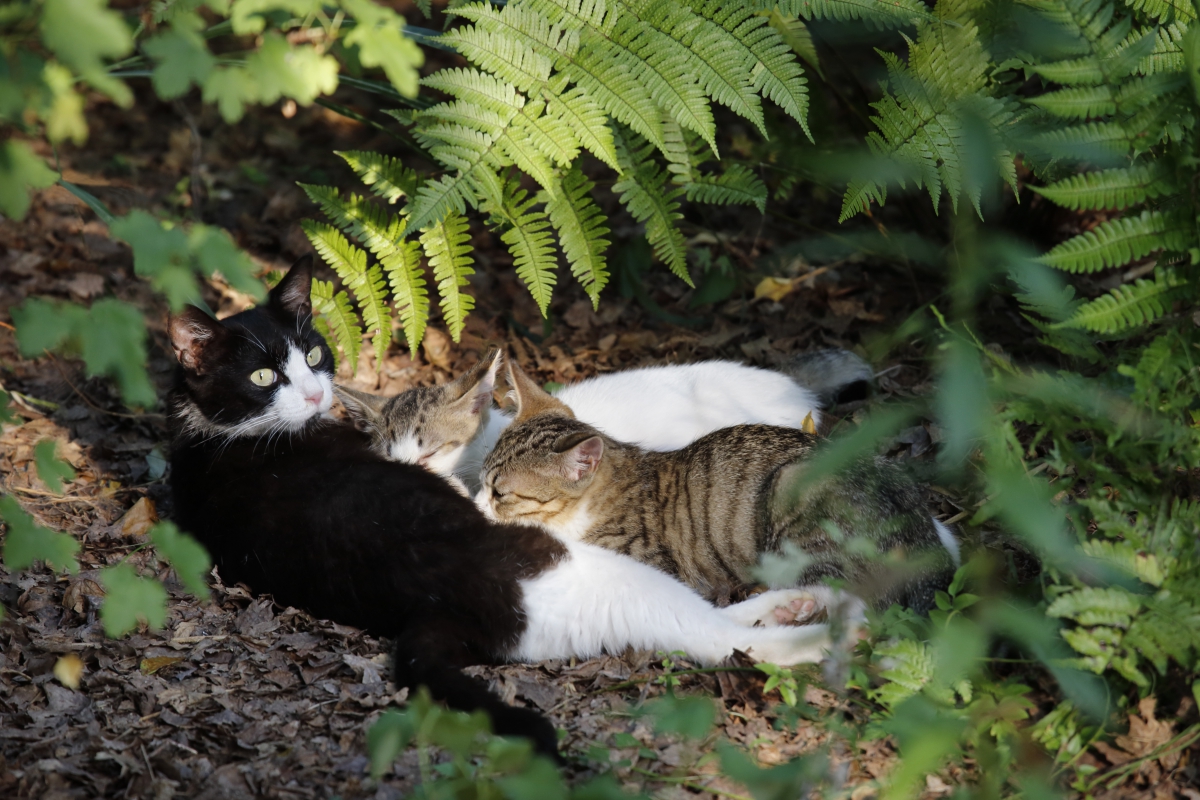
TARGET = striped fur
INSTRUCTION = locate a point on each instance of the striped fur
(707, 513)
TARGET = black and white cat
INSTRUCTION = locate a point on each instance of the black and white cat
(297, 505)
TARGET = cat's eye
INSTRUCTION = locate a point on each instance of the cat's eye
(262, 377)
(449, 446)
(314, 357)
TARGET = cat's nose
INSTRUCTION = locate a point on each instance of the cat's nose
(316, 398)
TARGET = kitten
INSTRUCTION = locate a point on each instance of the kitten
(299, 506)
(707, 512)
(450, 429)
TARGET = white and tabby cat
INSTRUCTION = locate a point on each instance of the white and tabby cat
(320, 521)
(450, 429)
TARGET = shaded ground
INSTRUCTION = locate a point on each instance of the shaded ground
(236, 697)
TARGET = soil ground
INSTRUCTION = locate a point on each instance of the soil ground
(236, 697)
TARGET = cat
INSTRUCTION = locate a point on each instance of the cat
(707, 512)
(298, 505)
(450, 429)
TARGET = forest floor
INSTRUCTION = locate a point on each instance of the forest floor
(236, 697)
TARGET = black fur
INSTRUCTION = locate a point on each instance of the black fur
(319, 521)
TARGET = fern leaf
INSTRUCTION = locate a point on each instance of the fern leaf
(1129, 306)
(1119, 241)
(877, 13)
(1165, 10)
(447, 247)
(1084, 71)
(738, 184)
(1111, 188)
(1091, 141)
(587, 121)
(1092, 605)
(581, 231)
(407, 279)
(527, 234)
(1167, 54)
(774, 70)
(644, 191)
(478, 89)
(350, 263)
(1081, 102)
(386, 176)
(512, 59)
(362, 219)
(449, 194)
(335, 310)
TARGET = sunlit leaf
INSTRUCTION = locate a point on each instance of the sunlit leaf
(130, 599)
(27, 542)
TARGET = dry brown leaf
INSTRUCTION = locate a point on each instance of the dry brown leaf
(138, 519)
(436, 347)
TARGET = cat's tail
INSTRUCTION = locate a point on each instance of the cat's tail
(414, 667)
(834, 376)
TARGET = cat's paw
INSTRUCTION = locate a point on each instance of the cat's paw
(778, 607)
(785, 646)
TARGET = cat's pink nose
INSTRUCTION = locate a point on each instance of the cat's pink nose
(315, 399)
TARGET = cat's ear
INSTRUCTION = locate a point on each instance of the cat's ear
(580, 461)
(195, 338)
(365, 409)
(530, 398)
(474, 388)
(293, 294)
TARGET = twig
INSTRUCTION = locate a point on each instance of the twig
(55, 498)
(6, 326)
(1118, 773)
(689, 783)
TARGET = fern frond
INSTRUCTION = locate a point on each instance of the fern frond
(737, 184)
(775, 73)
(877, 13)
(1167, 53)
(512, 59)
(335, 310)
(1084, 71)
(587, 121)
(350, 263)
(478, 89)
(438, 197)
(386, 176)
(1080, 102)
(1091, 141)
(1165, 10)
(1129, 306)
(359, 217)
(1119, 241)
(407, 279)
(527, 234)
(644, 191)
(447, 247)
(704, 47)
(581, 231)
(1111, 188)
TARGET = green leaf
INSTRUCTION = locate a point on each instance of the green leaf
(1129, 306)
(160, 253)
(381, 43)
(527, 234)
(185, 554)
(130, 599)
(5, 414)
(541, 780)
(688, 716)
(20, 171)
(111, 337)
(50, 468)
(216, 252)
(1116, 242)
(27, 542)
(581, 231)
(1109, 188)
(82, 33)
(386, 739)
(182, 59)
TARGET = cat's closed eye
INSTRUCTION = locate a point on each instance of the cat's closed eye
(263, 377)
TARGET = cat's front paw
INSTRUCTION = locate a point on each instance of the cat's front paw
(778, 607)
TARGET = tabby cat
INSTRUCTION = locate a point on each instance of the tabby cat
(707, 512)
(298, 505)
(450, 429)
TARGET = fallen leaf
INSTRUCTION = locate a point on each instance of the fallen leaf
(149, 666)
(936, 785)
(807, 425)
(436, 347)
(68, 670)
(139, 519)
(774, 288)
